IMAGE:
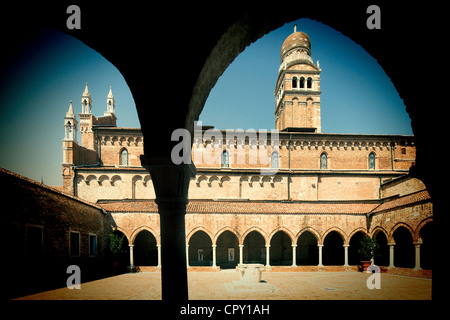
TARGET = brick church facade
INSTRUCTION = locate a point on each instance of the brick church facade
(326, 192)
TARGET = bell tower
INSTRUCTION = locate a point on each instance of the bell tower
(87, 120)
(297, 91)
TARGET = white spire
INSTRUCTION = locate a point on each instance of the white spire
(86, 91)
(110, 94)
(295, 28)
(70, 112)
(110, 103)
(86, 101)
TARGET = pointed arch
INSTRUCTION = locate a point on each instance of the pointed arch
(123, 157)
(419, 227)
(313, 231)
(355, 231)
(257, 229)
(395, 227)
(285, 230)
(138, 230)
(227, 228)
(338, 230)
(193, 231)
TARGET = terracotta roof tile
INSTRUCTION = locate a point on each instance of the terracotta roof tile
(258, 207)
(403, 201)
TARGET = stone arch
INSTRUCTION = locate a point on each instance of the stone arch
(80, 179)
(333, 247)
(254, 228)
(213, 180)
(228, 249)
(147, 178)
(338, 230)
(124, 231)
(200, 179)
(420, 226)
(284, 229)
(353, 242)
(395, 227)
(196, 229)
(404, 252)
(377, 230)
(136, 232)
(361, 229)
(145, 250)
(312, 231)
(227, 228)
(102, 180)
(255, 243)
(381, 235)
(200, 247)
(90, 180)
(224, 181)
(281, 241)
(116, 180)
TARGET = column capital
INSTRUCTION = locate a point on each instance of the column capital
(171, 181)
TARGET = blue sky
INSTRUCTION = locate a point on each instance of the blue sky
(357, 96)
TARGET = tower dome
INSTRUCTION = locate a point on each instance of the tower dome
(298, 40)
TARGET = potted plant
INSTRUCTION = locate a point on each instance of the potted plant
(116, 248)
(369, 249)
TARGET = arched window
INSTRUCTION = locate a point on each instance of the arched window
(124, 157)
(225, 160)
(302, 83)
(294, 82)
(309, 83)
(323, 161)
(274, 162)
(372, 161)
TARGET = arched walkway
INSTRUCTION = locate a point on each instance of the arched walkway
(200, 249)
(307, 251)
(383, 258)
(280, 249)
(404, 248)
(426, 248)
(333, 249)
(227, 250)
(254, 248)
(145, 250)
(354, 258)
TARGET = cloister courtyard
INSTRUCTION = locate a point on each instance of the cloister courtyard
(346, 285)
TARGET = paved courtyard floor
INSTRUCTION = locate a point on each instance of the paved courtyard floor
(277, 286)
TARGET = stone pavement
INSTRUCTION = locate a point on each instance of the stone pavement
(216, 286)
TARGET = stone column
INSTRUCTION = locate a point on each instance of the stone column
(417, 266)
(187, 256)
(320, 255)
(159, 255)
(214, 255)
(131, 267)
(346, 255)
(391, 255)
(171, 183)
(294, 255)
(268, 256)
(241, 254)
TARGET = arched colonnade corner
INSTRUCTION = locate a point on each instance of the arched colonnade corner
(401, 246)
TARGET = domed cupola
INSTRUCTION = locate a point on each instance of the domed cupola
(297, 40)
